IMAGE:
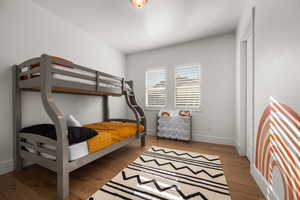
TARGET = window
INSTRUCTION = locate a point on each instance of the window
(156, 88)
(187, 87)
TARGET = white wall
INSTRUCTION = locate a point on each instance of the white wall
(27, 31)
(277, 66)
(277, 54)
(216, 55)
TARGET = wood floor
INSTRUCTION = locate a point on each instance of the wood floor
(35, 183)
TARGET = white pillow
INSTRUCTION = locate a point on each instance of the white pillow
(71, 121)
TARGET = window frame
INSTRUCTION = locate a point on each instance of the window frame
(198, 108)
(152, 69)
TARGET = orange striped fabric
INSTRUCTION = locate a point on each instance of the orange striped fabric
(110, 133)
(278, 145)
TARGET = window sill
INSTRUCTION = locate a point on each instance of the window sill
(194, 109)
(154, 109)
(159, 109)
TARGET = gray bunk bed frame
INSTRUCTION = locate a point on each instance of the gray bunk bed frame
(47, 84)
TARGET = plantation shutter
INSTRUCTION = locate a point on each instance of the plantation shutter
(187, 87)
(156, 88)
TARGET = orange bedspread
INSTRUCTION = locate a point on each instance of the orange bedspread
(110, 133)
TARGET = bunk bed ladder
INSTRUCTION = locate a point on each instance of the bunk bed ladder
(137, 110)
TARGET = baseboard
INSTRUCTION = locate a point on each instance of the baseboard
(202, 138)
(6, 166)
(151, 132)
(213, 140)
(238, 147)
(264, 186)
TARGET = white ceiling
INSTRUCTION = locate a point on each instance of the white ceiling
(159, 23)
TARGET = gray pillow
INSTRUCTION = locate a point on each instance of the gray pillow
(72, 122)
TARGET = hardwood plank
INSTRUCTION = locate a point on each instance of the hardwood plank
(12, 188)
(35, 182)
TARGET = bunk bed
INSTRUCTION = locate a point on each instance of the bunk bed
(47, 75)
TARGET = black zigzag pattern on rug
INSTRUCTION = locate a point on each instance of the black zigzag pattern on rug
(181, 154)
(184, 159)
(183, 167)
(184, 162)
(168, 172)
(136, 192)
(212, 188)
(161, 189)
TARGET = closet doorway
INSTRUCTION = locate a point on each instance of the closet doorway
(247, 90)
(249, 100)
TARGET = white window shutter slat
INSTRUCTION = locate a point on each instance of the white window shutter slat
(156, 88)
(187, 87)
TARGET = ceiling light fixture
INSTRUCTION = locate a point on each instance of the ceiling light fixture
(139, 3)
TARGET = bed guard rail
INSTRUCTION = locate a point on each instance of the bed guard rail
(61, 73)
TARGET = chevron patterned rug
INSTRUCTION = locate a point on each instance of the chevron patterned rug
(168, 174)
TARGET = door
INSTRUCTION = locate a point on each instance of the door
(249, 98)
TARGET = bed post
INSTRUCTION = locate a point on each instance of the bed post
(62, 154)
(105, 108)
(17, 117)
(143, 140)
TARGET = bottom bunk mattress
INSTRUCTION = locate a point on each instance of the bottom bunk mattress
(106, 134)
(75, 151)
(110, 133)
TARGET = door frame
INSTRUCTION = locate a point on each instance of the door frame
(249, 32)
